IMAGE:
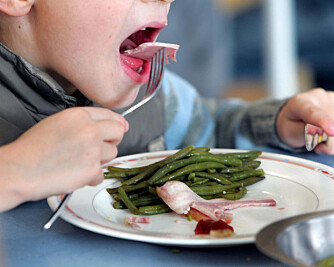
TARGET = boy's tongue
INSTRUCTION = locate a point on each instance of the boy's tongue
(134, 63)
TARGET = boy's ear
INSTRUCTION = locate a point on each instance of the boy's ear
(16, 8)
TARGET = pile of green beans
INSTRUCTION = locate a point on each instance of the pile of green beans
(209, 175)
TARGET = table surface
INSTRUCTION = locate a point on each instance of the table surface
(24, 244)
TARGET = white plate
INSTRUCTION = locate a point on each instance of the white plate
(299, 186)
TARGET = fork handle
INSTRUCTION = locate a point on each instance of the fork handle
(55, 215)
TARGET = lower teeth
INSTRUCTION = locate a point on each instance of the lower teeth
(139, 70)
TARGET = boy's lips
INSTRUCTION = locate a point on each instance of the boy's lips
(138, 69)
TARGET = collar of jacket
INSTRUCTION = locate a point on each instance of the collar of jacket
(17, 73)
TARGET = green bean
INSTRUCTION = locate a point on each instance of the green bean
(112, 191)
(116, 172)
(139, 199)
(128, 171)
(206, 190)
(191, 176)
(135, 187)
(155, 209)
(198, 153)
(249, 181)
(188, 169)
(118, 205)
(195, 159)
(139, 202)
(242, 155)
(208, 197)
(147, 200)
(152, 190)
(245, 174)
(251, 164)
(195, 179)
(200, 182)
(245, 166)
(141, 176)
(188, 183)
(127, 201)
(115, 175)
(203, 149)
(246, 160)
(130, 188)
(132, 196)
(219, 178)
(243, 183)
(141, 173)
(211, 183)
(181, 178)
(178, 155)
(208, 175)
(239, 193)
(233, 170)
(115, 196)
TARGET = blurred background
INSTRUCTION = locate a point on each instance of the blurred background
(251, 48)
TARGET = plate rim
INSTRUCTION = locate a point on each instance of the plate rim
(69, 216)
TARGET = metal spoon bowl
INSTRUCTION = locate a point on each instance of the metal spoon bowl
(302, 240)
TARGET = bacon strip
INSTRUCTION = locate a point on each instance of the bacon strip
(180, 198)
(146, 51)
(134, 222)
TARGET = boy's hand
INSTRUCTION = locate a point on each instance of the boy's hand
(315, 107)
(65, 151)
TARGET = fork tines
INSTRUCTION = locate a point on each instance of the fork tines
(157, 71)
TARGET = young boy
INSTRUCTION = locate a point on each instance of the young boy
(57, 56)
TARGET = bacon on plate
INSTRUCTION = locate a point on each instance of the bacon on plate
(135, 221)
(180, 198)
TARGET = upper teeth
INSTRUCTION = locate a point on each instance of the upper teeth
(143, 29)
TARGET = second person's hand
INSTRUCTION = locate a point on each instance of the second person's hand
(315, 107)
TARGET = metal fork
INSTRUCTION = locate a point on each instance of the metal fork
(153, 86)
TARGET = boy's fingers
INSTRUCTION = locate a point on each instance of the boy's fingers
(109, 152)
(97, 180)
(98, 114)
(111, 131)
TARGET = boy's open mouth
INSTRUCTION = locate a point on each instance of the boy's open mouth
(139, 66)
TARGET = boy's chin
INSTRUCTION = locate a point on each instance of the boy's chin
(124, 101)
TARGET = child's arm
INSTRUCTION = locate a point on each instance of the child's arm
(59, 154)
(277, 123)
(233, 123)
(315, 107)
